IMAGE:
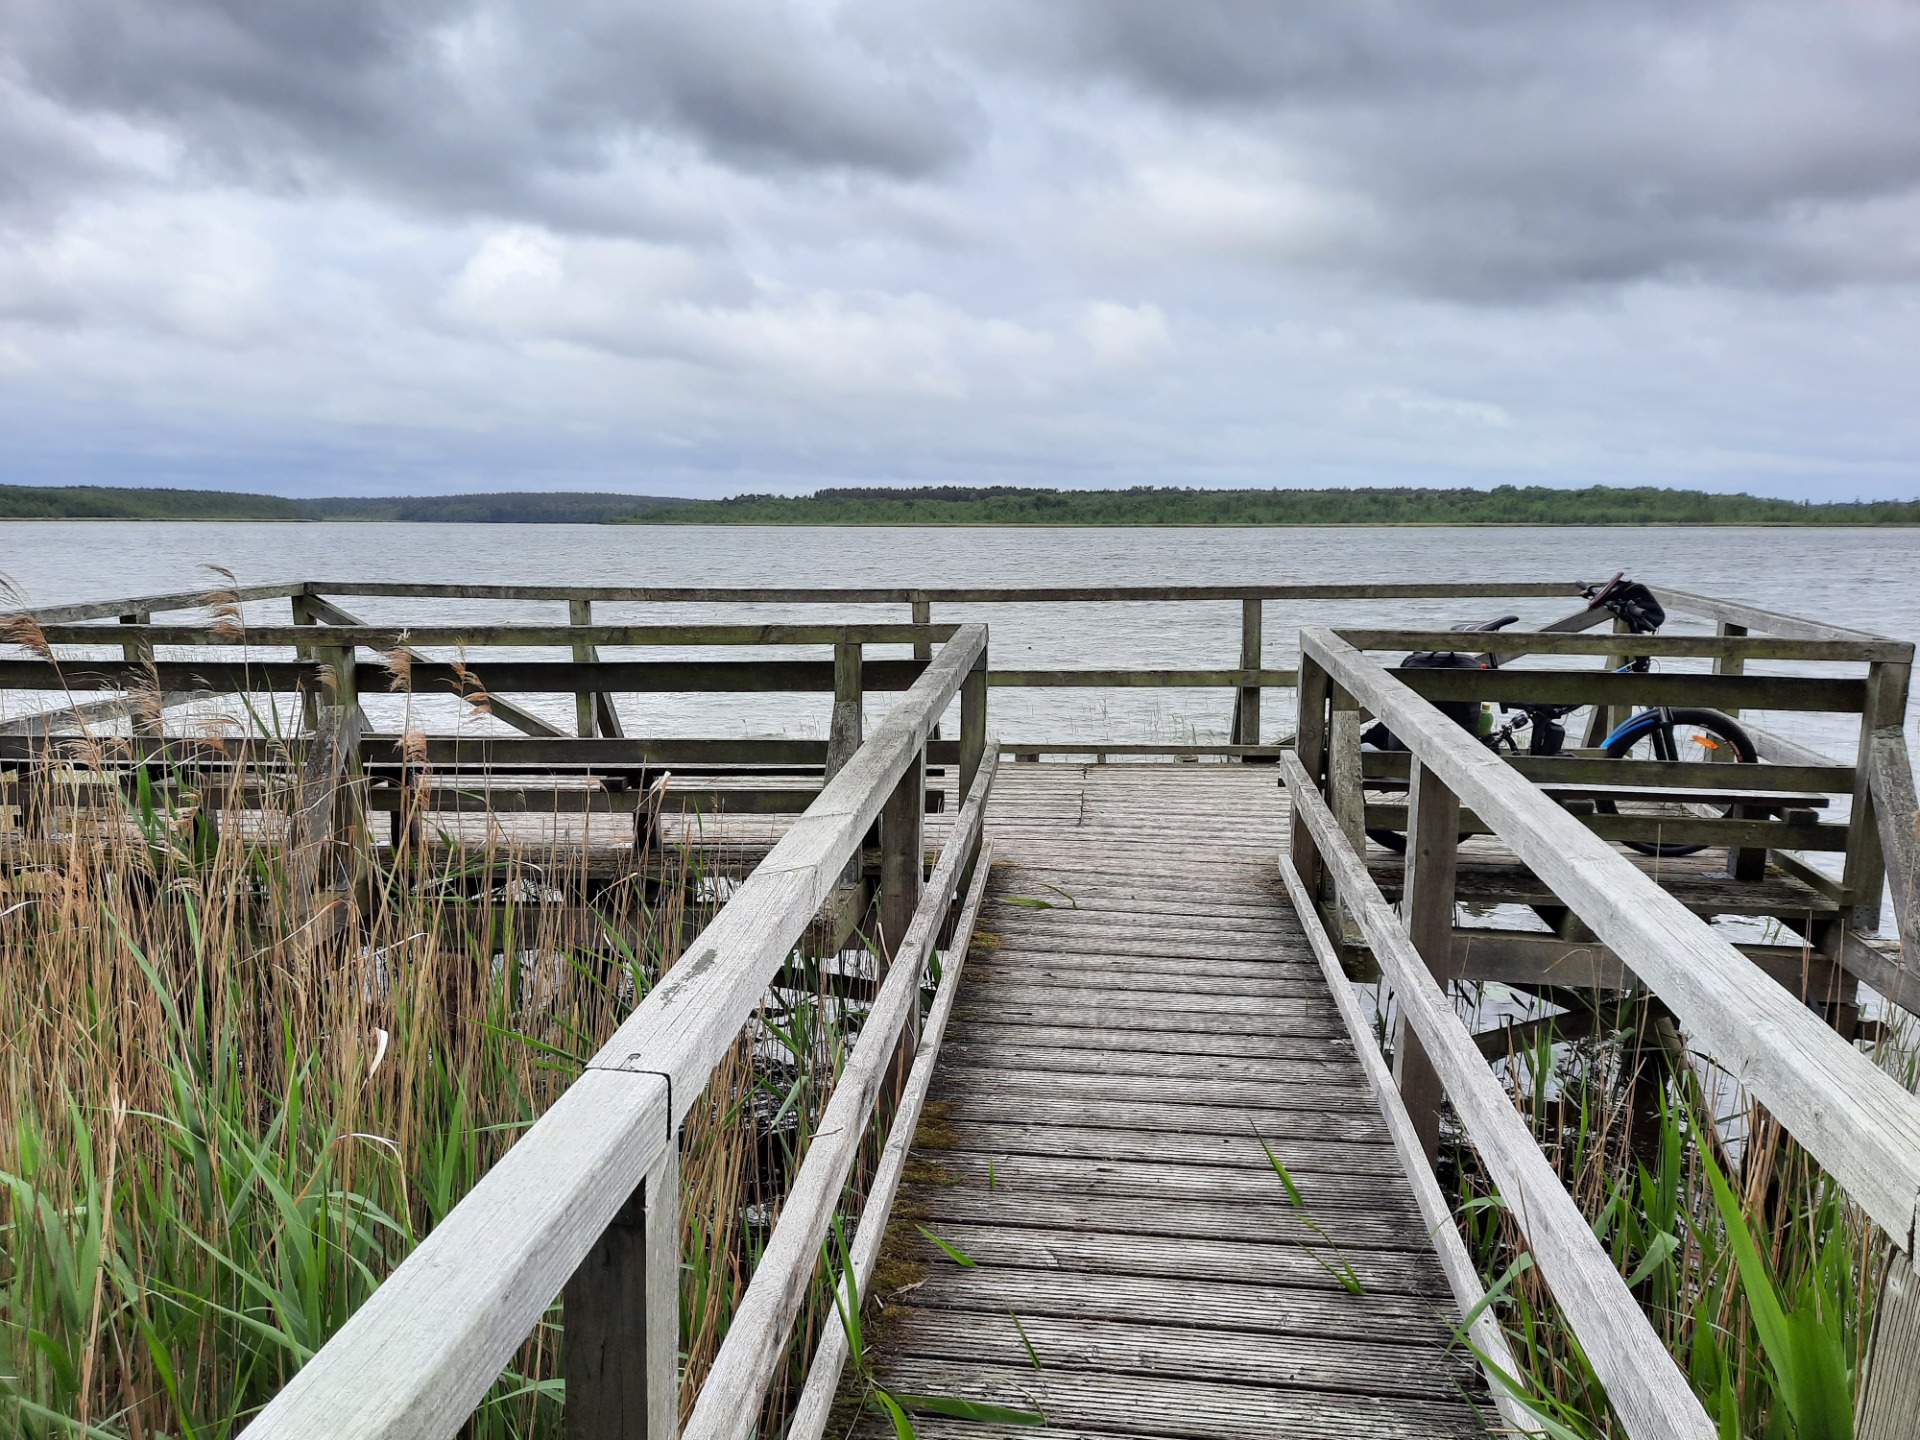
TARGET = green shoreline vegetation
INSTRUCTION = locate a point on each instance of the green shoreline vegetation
(983, 505)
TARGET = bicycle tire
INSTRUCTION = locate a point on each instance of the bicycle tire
(1720, 728)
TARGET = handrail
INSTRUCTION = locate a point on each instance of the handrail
(1861, 1126)
(736, 1383)
(812, 1410)
(1642, 1381)
(422, 1351)
(1469, 1293)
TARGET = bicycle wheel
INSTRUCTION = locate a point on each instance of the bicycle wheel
(1676, 735)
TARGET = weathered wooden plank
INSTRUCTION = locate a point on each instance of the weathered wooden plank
(1889, 1407)
(992, 1029)
(1178, 1257)
(1822, 777)
(1184, 1408)
(1311, 1117)
(1356, 1183)
(480, 635)
(1249, 1307)
(1588, 687)
(1392, 1229)
(1771, 622)
(1547, 642)
(1307, 1085)
(1296, 1361)
(1244, 679)
(622, 1314)
(906, 595)
(1273, 979)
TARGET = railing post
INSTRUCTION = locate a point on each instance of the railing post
(1600, 723)
(1246, 712)
(902, 852)
(902, 858)
(843, 730)
(309, 696)
(621, 1352)
(923, 615)
(1866, 867)
(973, 750)
(923, 650)
(140, 652)
(973, 729)
(580, 612)
(1310, 745)
(1750, 863)
(1346, 796)
(1426, 909)
(1889, 1406)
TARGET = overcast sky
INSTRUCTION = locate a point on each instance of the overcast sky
(405, 246)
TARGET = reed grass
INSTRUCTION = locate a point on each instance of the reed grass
(1755, 1270)
(234, 1096)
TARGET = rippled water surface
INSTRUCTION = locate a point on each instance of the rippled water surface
(1869, 579)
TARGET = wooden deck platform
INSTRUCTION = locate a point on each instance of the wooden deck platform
(1141, 1011)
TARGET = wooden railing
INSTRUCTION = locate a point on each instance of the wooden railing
(323, 627)
(584, 1204)
(1861, 1126)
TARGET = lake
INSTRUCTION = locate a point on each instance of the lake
(1868, 579)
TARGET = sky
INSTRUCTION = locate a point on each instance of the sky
(415, 246)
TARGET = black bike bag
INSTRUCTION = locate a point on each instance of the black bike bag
(1635, 604)
(1464, 713)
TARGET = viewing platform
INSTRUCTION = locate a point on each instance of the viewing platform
(1119, 1144)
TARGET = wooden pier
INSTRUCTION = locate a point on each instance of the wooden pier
(1143, 1019)
(1144, 1167)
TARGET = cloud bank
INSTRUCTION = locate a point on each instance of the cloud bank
(449, 244)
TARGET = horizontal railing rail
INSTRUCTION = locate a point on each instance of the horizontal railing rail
(331, 627)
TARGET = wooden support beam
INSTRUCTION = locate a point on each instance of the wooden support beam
(580, 612)
(1883, 748)
(1426, 910)
(621, 1353)
(1246, 730)
(1310, 748)
(1889, 1407)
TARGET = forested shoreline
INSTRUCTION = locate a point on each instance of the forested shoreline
(981, 505)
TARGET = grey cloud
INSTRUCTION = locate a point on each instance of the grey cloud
(489, 107)
(1507, 149)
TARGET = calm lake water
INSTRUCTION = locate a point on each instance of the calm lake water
(1869, 579)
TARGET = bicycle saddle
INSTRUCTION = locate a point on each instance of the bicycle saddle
(1500, 624)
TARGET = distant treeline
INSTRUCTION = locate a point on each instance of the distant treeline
(984, 505)
(112, 502)
(1164, 505)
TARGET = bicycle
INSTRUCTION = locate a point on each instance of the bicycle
(1656, 733)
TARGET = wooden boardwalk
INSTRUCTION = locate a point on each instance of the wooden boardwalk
(1140, 1011)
